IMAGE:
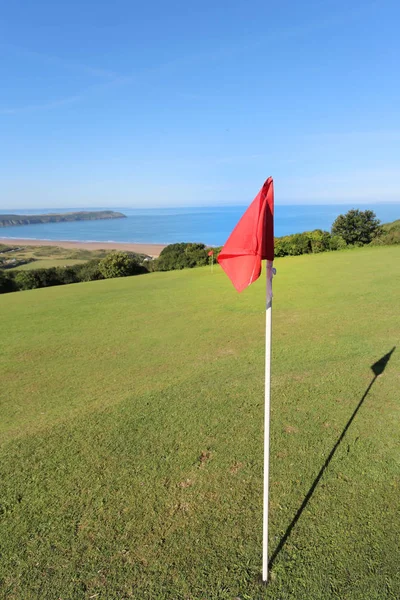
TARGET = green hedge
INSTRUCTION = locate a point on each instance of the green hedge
(115, 264)
(309, 242)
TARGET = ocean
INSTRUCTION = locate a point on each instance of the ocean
(210, 225)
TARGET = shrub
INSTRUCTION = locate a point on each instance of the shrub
(336, 242)
(392, 237)
(180, 256)
(319, 240)
(66, 275)
(39, 278)
(281, 246)
(26, 280)
(389, 234)
(299, 243)
(7, 283)
(120, 264)
(89, 271)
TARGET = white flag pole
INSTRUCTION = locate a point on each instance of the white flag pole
(268, 340)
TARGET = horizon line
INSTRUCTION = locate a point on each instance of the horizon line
(194, 206)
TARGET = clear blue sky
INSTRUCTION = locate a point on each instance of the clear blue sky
(155, 103)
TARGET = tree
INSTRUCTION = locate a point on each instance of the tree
(356, 226)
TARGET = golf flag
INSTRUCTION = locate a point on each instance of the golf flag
(251, 241)
(211, 253)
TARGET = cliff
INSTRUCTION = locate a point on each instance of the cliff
(10, 220)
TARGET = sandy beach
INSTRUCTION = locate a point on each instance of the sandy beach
(150, 249)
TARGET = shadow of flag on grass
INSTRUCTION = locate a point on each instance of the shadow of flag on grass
(380, 364)
(377, 368)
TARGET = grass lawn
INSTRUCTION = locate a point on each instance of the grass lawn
(55, 256)
(46, 263)
(47, 256)
(132, 429)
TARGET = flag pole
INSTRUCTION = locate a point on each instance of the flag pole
(268, 341)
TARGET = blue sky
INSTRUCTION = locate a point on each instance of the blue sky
(128, 103)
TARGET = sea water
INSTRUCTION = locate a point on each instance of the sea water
(210, 225)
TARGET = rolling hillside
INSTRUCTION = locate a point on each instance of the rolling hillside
(131, 435)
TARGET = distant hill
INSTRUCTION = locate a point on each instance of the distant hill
(10, 220)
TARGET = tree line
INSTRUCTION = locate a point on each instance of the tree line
(115, 264)
(355, 228)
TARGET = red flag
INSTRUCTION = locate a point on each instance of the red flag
(251, 241)
(211, 253)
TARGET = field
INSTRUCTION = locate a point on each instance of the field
(44, 257)
(132, 431)
(46, 263)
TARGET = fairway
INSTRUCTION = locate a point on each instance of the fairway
(47, 263)
(131, 435)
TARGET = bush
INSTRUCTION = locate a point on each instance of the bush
(26, 280)
(38, 278)
(319, 240)
(116, 266)
(180, 256)
(299, 243)
(389, 234)
(120, 264)
(303, 243)
(281, 246)
(89, 271)
(7, 283)
(392, 237)
(336, 242)
(66, 275)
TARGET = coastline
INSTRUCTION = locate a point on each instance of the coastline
(152, 250)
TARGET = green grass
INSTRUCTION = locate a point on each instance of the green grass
(57, 251)
(391, 233)
(46, 263)
(131, 435)
(53, 256)
(391, 226)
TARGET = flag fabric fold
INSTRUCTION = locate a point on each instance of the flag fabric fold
(251, 241)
